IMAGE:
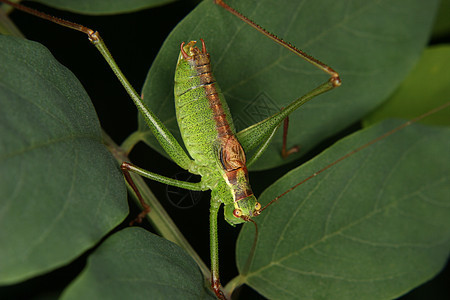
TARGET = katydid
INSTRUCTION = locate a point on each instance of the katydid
(218, 154)
(209, 136)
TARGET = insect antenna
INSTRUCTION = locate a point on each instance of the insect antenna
(381, 137)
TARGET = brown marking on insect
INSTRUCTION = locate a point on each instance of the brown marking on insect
(203, 46)
(216, 286)
(201, 62)
(185, 55)
(191, 49)
(238, 179)
(232, 154)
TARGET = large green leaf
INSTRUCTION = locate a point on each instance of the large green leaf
(60, 189)
(101, 7)
(374, 226)
(373, 44)
(135, 264)
(425, 88)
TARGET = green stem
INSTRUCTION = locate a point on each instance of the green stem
(158, 217)
(131, 141)
(234, 284)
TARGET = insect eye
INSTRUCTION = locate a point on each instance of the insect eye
(257, 206)
(237, 213)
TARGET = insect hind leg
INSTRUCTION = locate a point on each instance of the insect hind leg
(294, 149)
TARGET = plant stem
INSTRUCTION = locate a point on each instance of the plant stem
(233, 284)
(158, 217)
(131, 141)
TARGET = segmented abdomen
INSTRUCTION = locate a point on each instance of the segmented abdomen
(202, 113)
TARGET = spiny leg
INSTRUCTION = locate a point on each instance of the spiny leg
(256, 134)
(335, 80)
(162, 134)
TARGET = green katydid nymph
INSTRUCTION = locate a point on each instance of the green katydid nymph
(209, 135)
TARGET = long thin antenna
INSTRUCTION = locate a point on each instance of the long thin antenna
(359, 149)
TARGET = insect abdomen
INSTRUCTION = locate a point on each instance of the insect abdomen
(202, 113)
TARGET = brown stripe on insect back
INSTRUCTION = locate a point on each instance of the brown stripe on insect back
(239, 180)
(231, 153)
(202, 64)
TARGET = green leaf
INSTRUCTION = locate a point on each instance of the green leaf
(136, 264)
(425, 88)
(60, 189)
(101, 7)
(374, 226)
(373, 44)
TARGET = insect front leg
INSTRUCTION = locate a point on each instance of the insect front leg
(127, 167)
(162, 134)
